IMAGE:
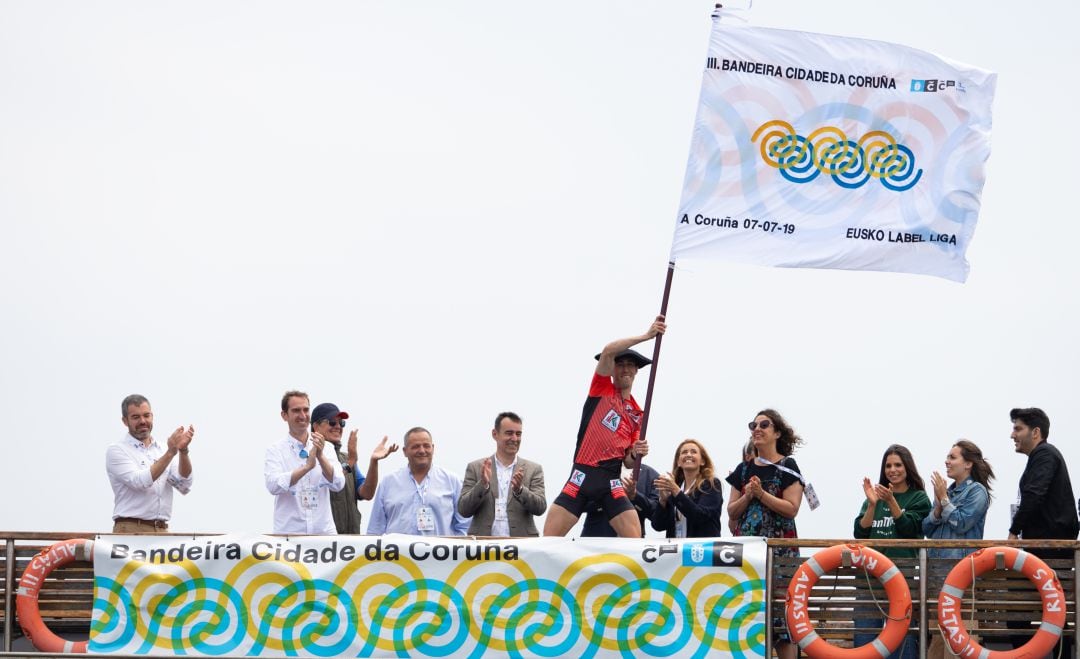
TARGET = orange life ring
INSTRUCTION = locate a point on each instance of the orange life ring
(1031, 566)
(875, 563)
(26, 596)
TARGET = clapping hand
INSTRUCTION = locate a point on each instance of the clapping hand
(665, 486)
(885, 493)
(941, 490)
(180, 438)
(317, 443)
(868, 490)
(753, 487)
(351, 448)
(382, 450)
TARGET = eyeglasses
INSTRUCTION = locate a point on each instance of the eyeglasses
(336, 423)
(763, 424)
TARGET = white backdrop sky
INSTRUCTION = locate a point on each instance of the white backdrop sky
(430, 212)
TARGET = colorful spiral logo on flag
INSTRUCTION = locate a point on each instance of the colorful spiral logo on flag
(829, 151)
(602, 605)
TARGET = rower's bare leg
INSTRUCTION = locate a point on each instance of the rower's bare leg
(627, 524)
(559, 520)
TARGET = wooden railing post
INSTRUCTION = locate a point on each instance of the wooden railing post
(1076, 602)
(924, 575)
(9, 591)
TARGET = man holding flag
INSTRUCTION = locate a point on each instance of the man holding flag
(608, 438)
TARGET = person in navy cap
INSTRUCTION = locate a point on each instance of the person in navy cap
(329, 421)
(608, 438)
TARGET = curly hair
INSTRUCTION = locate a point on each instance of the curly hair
(788, 441)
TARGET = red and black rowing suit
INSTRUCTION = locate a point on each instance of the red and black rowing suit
(610, 424)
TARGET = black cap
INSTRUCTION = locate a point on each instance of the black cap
(326, 411)
(639, 359)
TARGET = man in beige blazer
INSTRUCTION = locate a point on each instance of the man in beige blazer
(503, 492)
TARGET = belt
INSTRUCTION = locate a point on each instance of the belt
(156, 523)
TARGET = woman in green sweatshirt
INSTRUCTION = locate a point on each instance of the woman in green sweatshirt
(894, 509)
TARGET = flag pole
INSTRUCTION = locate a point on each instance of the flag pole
(655, 364)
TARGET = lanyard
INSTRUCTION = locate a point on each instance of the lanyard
(421, 489)
(765, 463)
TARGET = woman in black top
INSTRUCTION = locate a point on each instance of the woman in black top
(691, 499)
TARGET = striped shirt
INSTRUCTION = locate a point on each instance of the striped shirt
(610, 424)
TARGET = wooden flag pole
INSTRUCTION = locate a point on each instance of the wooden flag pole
(655, 364)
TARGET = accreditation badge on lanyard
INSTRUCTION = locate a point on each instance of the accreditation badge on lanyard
(309, 494)
(808, 489)
(425, 516)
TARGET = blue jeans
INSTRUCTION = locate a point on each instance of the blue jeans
(909, 648)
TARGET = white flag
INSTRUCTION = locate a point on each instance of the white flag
(815, 151)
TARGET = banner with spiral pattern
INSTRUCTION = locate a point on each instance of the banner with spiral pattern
(817, 151)
(410, 596)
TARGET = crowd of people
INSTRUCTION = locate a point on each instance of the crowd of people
(316, 480)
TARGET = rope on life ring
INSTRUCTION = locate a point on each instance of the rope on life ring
(26, 595)
(876, 564)
(963, 575)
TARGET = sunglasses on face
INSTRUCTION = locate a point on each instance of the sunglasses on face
(763, 424)
(336, 423)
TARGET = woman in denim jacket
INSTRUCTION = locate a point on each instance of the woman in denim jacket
(959, 511)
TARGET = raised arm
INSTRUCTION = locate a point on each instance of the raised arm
(910, 522)
(371, 480)
(606, 365)
(961, 514)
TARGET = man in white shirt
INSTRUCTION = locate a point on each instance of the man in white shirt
(142, 472)
(301, 474)
(419, 499)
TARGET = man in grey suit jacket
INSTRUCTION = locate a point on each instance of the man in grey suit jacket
(503, 492)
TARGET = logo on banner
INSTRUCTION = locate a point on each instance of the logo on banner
(712, 554)
(827, 150)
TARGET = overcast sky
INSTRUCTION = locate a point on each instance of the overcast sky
(431, 212)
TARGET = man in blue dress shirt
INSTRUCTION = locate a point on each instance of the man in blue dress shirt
(419, 499)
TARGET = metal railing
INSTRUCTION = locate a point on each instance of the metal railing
(924, 599)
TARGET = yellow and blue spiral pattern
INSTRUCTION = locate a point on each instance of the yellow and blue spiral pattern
(600, 605)
(829, 151)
